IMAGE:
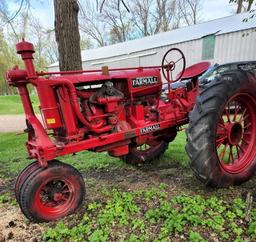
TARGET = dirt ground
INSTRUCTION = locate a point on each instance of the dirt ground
(13, 123)
(14, 226)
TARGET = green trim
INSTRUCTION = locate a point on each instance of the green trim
(208, 47)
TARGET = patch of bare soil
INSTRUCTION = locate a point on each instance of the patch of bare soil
(133, 178)
(6, 185)
(178, 178)
(14, 227)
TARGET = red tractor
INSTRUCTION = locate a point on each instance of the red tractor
(121, 111)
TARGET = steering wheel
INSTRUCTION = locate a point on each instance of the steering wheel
(169, 64)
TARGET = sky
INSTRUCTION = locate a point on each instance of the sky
(212, 9)
(43, 9)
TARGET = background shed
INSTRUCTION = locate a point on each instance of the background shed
(221, 40)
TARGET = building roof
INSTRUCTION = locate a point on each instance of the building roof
(219, 26)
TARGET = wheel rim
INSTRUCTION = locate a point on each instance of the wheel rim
(145, 152)
(143, 148)
(147, 147)
(55, 197)
(235, 137)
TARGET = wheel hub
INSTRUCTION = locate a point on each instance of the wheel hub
(235, 133)
(55, 191)
(57, 197)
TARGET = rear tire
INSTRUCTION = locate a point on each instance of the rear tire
(52, 193)
(222, 145)
(140, 154)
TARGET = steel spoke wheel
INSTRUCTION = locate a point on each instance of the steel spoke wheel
(152, 149)
(235, 136)
(52, 193)
(55, 194)
(222, 130)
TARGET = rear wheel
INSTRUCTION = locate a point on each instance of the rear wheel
(149, 151)
(52, 193)
(221, 133)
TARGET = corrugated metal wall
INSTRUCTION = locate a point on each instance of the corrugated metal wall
(191, 50)
(236, 46)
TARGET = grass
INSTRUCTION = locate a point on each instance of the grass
(12, 104)
(13, 155)
(176, 151)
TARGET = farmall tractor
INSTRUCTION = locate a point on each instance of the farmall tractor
(123, 112)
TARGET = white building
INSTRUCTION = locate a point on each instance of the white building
(218, 41)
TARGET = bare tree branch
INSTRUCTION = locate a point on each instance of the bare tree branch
(18, 11)
(118, 4)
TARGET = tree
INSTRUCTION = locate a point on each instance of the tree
(15, 26)
(51, 47)
(250, 2)
(67, 34)
(142, 17)
(153, 16)
(239, 6)
(85, 43)
(164, 14)
(189, 10)
(41, 42)
(92, 23)
(8, 58)
(118, 20)
(243, 5)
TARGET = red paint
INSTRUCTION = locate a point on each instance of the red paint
(91, 110)
(235, 133)
(195, 70)
(52, 201)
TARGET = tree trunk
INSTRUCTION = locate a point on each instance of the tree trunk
(67, 34)
(239, 6)
(250, 2)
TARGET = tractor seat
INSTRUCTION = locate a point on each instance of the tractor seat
(190, 73)
(195, 70)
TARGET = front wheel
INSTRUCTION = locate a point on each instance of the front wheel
(221, 133)
(52, 193)
(23, 175)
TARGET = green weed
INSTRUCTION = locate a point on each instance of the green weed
(6, 198)
(131, 216)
